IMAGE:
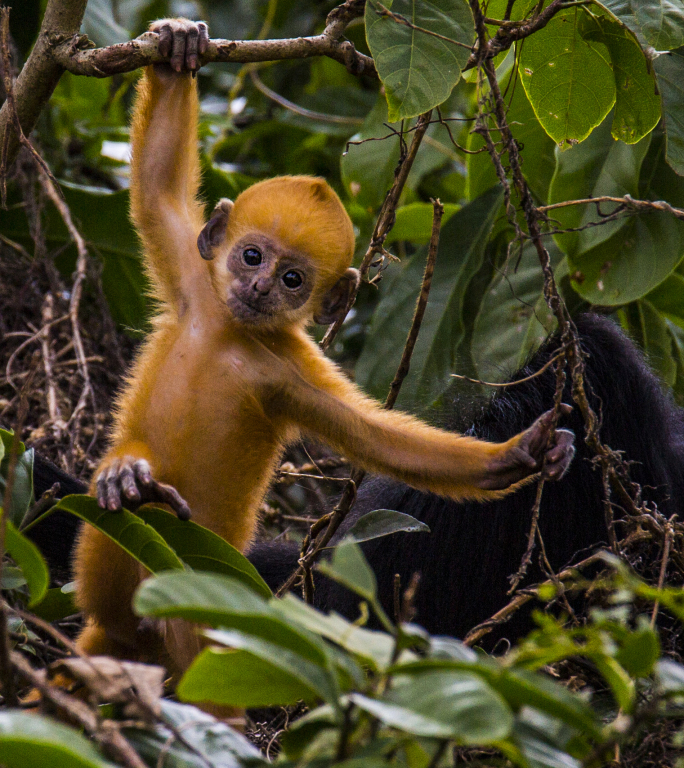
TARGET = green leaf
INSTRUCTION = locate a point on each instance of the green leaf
(639, 652)
(350, 568)
(621, 684)
(508, 324)
(669, 70)
(414, 222)
(373, 647)
(443, 704)
(243, 679)
(207, 742)
(567, 78)
(384, 522)
(57, 604)
(131, 533)
(445, 324)
(647, 327)
(33, 741)
(667, 298)
(538, 752)
(100, 25)
(641, 254)
(27, 556)
(419, 70)
(222, 601)
(202, 549)
(313, 672)
(22, 486)
(600, 166)
(637, 101)
(368, 167)
(670, 676)
(659, 23)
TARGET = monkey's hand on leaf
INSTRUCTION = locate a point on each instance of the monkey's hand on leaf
(183, 41)
(128, 482)
(536, 450)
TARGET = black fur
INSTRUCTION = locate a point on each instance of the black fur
(472, 549)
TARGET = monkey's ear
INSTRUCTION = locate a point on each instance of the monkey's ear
(335, 301)
(215, 229)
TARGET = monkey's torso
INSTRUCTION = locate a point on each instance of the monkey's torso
(191, 399)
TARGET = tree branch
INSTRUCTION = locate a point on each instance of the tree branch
(41, 73)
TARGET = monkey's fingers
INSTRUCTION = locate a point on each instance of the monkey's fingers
(560, 455)
(165, 43)
(167, 494)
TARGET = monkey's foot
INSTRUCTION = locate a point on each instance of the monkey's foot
(183, 42)
(535, 451)
(128, 482)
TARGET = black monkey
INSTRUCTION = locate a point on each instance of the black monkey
(473, 548)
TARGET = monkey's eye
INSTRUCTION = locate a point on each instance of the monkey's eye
(292, 279)
(251, 257)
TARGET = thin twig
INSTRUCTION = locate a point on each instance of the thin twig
(628, 202)
(667, 543)
(383, 12)
(534, 375)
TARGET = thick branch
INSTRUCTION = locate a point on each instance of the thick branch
(41, 73)
(125, 57)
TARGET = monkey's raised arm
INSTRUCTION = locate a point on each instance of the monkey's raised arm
(165, 162)
(399, 445)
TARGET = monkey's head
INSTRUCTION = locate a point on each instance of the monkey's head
(280, 254)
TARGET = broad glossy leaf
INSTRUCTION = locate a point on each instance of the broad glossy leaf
(669, 70)
(637, 258)
(34, 741)
(508, 324)
(598, 166)
(443, 704)
(129, 531)
(101, 26)
(211, 743)
(668, 297)
(445, 324)
(222, 601)
(637, 102)
(538, 752)
(243, 679)
(649, 328)
(659, 23)
(417, 69)
(27, 556)
(567, 78)
(374, 647)
(384, 522)
(537, 147)
(349, 567)
(202, 549)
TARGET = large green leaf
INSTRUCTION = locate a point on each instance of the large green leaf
(414, 222)
(131, 533)
(461, 255)
(638, 257)
(207, 742)
(33, 741)
(637, 102)
(598, 166)
(669, 69)
(349, 567)
(417, 69)
(202, 549)
(443, 704)
(659, 23)
(384, 522)
(568, 78)
(27, 556)
(257, 675)
(647, 326)
(509, 324)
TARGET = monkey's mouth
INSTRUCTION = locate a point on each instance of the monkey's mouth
(254, 311)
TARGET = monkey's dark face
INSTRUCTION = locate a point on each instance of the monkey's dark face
(267, 283)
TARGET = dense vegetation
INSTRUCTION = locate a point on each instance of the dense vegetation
(513, 114)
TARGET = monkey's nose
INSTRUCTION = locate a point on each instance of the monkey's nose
(262, 286)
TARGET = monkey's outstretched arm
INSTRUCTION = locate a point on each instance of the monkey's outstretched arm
(396, 444)
(165, 162)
